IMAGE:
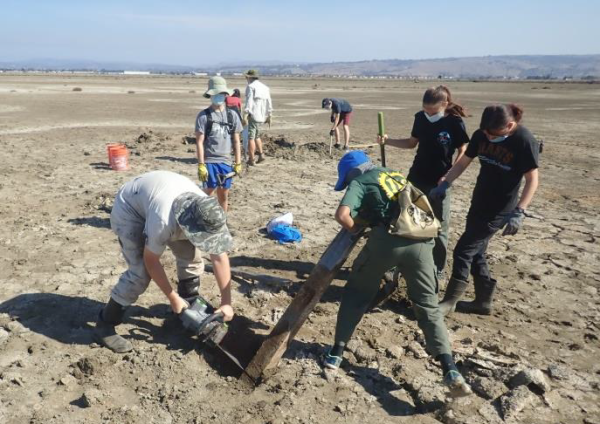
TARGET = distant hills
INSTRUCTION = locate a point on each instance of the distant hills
(517, 67)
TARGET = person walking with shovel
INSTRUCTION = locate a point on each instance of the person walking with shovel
(217, 128)
(441, 138)
(371, 201)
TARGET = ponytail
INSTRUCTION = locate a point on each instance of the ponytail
(441, 93)
(496, 117)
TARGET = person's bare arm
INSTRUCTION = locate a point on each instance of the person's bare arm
(200, 147)
(237, 150)
(460, 152)
(157, 273)
(344, 218)
(336, 120)
(531, 185)
(222, 272)
(457, 169)
(403, 143)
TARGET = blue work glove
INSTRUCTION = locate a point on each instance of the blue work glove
(513, 222)
(438, 193)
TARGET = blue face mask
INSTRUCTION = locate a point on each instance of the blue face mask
(218, 99)
(499, 139)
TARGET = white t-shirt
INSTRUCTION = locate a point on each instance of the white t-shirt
(148, 199)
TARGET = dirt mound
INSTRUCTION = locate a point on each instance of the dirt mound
(281, 147)
(152, 141)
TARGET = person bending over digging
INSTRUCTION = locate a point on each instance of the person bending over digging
(507, 152)
(369, 201)
(216, 127)
(341, 112)
(438, 132)
(151, 212)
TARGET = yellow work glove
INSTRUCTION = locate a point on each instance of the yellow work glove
(237, 168)
(202, 172)
(245, 119)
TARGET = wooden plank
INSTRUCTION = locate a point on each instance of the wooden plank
(267, 358)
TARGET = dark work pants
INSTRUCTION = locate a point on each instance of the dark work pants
(441, 210)
(470, 251)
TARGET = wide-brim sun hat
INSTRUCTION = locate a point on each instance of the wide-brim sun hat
(252, 73)
(217, 85)
(203, 222)
(348, 162)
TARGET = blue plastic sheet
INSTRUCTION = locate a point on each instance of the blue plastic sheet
(285, 234)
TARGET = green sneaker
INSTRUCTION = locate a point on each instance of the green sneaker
(332, 362)
(457, 384)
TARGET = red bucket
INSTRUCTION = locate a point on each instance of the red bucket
(109, 148)
(119, 158)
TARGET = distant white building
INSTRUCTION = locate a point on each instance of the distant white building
(136, 72)
(201, 74)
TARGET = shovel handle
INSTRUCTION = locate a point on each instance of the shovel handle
(381, 125)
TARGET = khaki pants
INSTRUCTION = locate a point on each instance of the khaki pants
(414, 259)
(136, 279)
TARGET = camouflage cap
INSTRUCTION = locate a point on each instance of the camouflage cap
(203, 222)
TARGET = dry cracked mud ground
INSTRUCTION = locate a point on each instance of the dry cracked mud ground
(534, 360)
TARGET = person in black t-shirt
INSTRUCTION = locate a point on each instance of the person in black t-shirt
(507, 152)
(440, 133)
(341, 112)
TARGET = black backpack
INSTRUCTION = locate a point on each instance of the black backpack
(209, 121)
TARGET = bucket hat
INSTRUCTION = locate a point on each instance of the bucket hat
(217, 85)
(203, 222)
(252, 73)
(348, 162)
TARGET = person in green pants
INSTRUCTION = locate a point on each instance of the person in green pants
(441, 138)
(370, 201)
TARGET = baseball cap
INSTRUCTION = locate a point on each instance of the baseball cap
(203, 222)
(349, 161)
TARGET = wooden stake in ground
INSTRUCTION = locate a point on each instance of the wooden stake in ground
(381, 133)
(266, 359)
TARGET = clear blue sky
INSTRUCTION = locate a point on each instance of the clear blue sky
(197, 32)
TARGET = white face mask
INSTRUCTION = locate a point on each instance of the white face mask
(434, 118)
(218, 99)
(498, 139)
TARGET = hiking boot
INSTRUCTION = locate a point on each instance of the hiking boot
(454, 291)
(484, 295)
(456, 384)
(336, 145)
(104, 332)
(332, 362)
(251, 162)
(345, 147)
(188, 289)
(261, 158)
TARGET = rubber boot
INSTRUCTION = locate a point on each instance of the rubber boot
(484, 295)
(454, 291)
(188, 289)
(105, 333)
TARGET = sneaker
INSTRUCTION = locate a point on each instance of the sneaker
(250, 162)
(457, 384)
(345, 147)
(336, 145)
(332, 362)
(261, 158)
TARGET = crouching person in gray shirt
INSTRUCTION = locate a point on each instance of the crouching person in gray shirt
(151, 212)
